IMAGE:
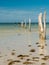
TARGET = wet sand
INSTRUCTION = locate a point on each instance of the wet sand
(21, 47)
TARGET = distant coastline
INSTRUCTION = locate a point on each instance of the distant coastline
(24, 23)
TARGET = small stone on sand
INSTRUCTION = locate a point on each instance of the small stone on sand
(35, 58)
(9, 59)
(39, 46)
(12, 62)
(47, 56)
(13, 50)
(29, 45)
(0, 56)
(43, 63)
(42, 47)
(44, 58)
(12, 53)
(45, 44)
(32, 50)
(37, 42)
(41, 54)
(23, 56)
(27, 62)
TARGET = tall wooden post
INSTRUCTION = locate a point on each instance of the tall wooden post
(44, 25)
(40, 25)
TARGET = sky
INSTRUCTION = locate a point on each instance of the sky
(20, 10)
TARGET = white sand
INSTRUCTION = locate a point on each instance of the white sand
(19, 41)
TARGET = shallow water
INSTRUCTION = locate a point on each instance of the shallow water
(15, 39)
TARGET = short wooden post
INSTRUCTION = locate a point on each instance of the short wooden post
(29, 24)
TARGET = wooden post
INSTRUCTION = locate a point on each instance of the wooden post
(40, 25)
(25, 23)
(22, 24)
(29, 24)
(44, 25)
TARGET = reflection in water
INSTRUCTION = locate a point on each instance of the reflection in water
(29, 38)
(42, 51)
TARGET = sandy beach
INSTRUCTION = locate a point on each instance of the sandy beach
(22, 47)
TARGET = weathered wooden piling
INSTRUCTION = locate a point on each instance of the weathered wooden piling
(22, 24)
(44, 19)
(25, 23)
(40, 25)
(29, 24)
(42, 29)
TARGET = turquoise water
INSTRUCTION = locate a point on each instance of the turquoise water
(16, 26)
(8, 26)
